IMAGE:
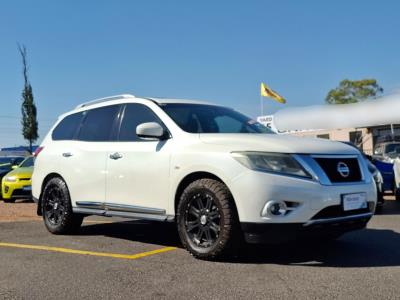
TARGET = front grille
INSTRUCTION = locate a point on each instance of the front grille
(336, 211)
(335, 169)
(21, 193)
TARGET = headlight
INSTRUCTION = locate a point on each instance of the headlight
(271, 162)
(10, 179)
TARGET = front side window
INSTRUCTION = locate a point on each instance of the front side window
(98, 124)
(200, 118)
(67, 128)
(134, 115)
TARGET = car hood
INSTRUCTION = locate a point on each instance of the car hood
(277, 143)
(21, 172)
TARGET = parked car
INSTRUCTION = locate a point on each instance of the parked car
(7, 163)
(376, 174)
(17, 183)
(396, 171)
(383, 158)
(220, 175)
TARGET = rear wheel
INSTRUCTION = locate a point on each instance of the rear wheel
(207, 220)
(57, 209)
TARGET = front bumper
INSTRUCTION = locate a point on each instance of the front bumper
(252, 190)
(273, 233)
(14, 190)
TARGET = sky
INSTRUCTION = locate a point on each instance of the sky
(218, 51)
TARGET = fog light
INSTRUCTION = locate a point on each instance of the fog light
(6, 189)
(275, 208)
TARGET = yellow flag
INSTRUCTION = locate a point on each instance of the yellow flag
(267, 92)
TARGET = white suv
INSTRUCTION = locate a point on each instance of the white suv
(220, 175)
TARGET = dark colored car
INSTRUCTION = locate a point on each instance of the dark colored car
(7, 163)
(383, 158)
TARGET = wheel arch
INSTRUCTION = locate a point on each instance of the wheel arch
(189, 178)
(44, 182)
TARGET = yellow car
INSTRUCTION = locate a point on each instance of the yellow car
(17, 183)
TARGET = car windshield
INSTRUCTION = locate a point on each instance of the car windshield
(28, 162)
(201, 118)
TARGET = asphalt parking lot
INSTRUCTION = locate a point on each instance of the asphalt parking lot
(120, 259)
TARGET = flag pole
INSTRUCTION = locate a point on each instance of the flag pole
(262, 105)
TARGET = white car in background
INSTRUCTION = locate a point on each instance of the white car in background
(396, 171)
(218, 174)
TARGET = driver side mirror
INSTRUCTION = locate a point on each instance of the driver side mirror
(14, 167)
(151, 130)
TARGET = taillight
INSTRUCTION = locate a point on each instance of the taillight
(37, 151)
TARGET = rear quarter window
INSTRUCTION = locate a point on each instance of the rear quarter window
(67, 128)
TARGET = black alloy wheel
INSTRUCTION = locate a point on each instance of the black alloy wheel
(54, 208)
(207, 220)
(57, 208)
(202, 220)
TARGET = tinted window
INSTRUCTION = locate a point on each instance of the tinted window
(27, 163)
(134, 115)
(17, 161)
(67, 128)
(392, 148)
(8, 161)
(98, 124)
(199, 118)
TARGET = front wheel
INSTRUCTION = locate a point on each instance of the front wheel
(57, 209)
(397, 194)
(207, 220)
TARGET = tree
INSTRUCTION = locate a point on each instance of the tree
(352, 91)
(29, 113)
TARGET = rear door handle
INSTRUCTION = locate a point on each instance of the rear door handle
(115, 156)
(67, 154)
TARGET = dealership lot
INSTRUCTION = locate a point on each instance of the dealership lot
(116, 258)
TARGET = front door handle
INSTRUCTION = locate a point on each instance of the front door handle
(115, 156)
(67, 154)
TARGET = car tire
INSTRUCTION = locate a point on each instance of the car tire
(57, 208)
(397, 194)
(207, 220)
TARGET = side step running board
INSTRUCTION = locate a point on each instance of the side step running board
(121, 210)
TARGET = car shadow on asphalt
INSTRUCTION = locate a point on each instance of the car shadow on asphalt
(159, 233)
(363, 248)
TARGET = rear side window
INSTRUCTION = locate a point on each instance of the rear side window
(67, 128)
(134, 115)
(98, 124)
